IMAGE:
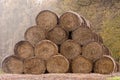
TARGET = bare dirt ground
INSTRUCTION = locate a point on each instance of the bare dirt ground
(67, 76)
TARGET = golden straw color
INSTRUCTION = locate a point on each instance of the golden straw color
(57, 64)
(12, 64)
(83, 36)
(34, 65)
(57, 35)
(45, 49)
(47, 20)
(70, 49)
(24, 49)
(64, 44)
(92, 51)
(105, 65)
(81, 65)
(35, 34)
(70, 21)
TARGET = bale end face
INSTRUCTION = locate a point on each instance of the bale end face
(34, 34)
(57, 64)
(70, 21)
(45, 49)
(93, 51)
(24, 49)
(83, 36)
(106, 51)
(81, 65)
(117, 67)
(104, 65)
(12, 64)
(47, 20)
(70, 49)
(57, 35)
(34, 66)
(98, 38)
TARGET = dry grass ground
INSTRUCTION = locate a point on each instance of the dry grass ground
(115, 76)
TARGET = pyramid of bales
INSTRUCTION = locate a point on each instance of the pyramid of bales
(64, 44)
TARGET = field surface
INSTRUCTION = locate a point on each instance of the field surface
(115, 76)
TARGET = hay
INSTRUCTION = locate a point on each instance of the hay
(34, 35)
(70, 49)
(81, 65)
(70, 21)
(24, 49)
(105, 65)
(12, 64)
(34, 66)
(93, 51)
(83, 35)
(45, 49)
(106, 50)
(47, 20)
(57, 35)
(98, 38)
(57, 64)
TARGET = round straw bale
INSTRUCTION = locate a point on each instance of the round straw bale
(47, 20)
(105, 65)
(98, 38)
(34, 65)
(70, 49)
(57, 35)
(117, 67)
(70, 21)
(45, 49)
(86, 23)
(81, 65)
(24, 49)
(12, 64)
(34, 35)
(83, 35)
(57, 64)
(106, 50)
(92, 51)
